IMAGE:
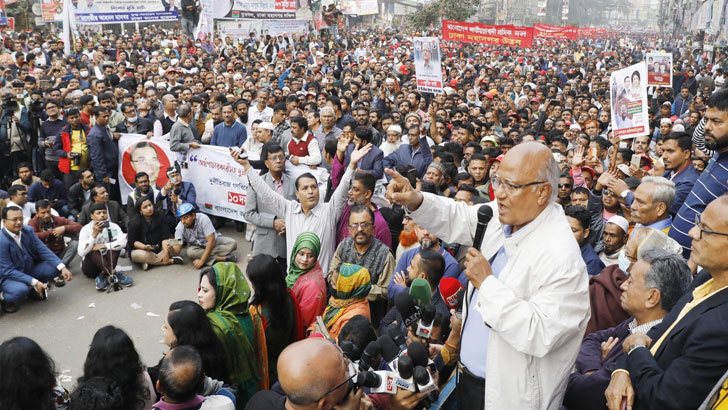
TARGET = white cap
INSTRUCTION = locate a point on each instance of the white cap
(624, 168)
(665, 121)
(238, 76)
(266, 125)
(161, 85)
(620, 222)
(678, 128)
(395, 128)
(149, 84)
(174, 61)
(575, 126)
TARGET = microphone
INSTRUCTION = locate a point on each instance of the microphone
(406, 307)
(449, 290)
(405, 367)
(369, 355)
(424, 325)
(389, 351)
(395, 333)
(485, 213)
(459, 308)
(421, 291)
(424, 381)
(418, 353)
(378, 381)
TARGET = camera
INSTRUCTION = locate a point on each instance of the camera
(9, 105)
(75, 157)
(105, 224)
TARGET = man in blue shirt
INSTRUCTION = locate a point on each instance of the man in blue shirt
(579, 219)
(229, 133)
(417, 153)
(713, 182)
(51, 189)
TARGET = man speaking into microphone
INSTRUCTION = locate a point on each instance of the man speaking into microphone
(527, 302)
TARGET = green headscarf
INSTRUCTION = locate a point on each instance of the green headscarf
(304, 240)
(231, 303)
(352, 285)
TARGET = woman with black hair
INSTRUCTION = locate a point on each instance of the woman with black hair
(277, 307)
(27, 378)
(148, 236)
(112, 355)
(187, 324)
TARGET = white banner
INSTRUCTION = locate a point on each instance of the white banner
(256, 9)
(564, 9)
(219, 181)
(428, 69)
(628, 88)
(285, 27)
(237, 29)
(541, 8)
(113, 11)
(206, 26)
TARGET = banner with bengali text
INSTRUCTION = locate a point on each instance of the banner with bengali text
(428, 69)
(500, 35)
(548, 31)
(257, 9)
(628, 88)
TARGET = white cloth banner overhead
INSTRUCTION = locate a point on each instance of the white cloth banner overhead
(285, 27)
(428, 69)
(237, 29)
(256, 9)
(628, 88)
(114, 11)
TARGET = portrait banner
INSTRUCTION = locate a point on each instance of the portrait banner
(285, 27)
(237, 29)
(541, 8)
(564, 9)
(428, 68)
(3, 16)
(206, 25)
(51, 10)
(628, 96)
(659, 69)
(139, 154)
(501, 35)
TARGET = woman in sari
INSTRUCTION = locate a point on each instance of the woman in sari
(353, 284)
(224, 294)
(306, 279)
(276, 307)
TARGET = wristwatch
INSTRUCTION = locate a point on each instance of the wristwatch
(634, 346)
(624, 193)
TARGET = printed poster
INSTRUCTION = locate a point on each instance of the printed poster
(628, 96)
(659, 69)
(428, 69)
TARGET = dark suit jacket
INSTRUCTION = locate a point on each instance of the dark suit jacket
(76, 199)
(684, 182)
(690, 360)
(143, 126)
(116, 214)
(16, 263)
(266, 240)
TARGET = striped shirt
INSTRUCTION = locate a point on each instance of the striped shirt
(713, 182)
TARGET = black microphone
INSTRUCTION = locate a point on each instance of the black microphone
(424, 325)
(485, 213)
(406, 307)
(418, 352)
(389, 350)
(405, 368)
(395, 332)
(369, 355)
(424, 382)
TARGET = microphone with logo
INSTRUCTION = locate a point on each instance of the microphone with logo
(450, 288)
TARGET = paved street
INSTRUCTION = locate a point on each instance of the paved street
(65, 324)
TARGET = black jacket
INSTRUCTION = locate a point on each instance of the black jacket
(143, 126)
(151, 232)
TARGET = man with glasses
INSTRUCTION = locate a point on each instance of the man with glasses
(686, 353)
(134, 123)
(527, 302)
(49, 130)
(25, 262)
(270, 230)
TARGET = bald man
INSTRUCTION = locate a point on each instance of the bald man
(527, 303)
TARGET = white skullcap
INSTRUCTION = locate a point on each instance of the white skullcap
(395, 128)
(620, 222)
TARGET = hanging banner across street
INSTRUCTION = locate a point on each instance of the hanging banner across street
(428, 68)
(506, 35)
(558, 32)
(659, 69)
(110, 11)
(628, 88)
(256, 9)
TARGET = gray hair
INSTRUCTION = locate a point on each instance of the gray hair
(668, 273)
(184, 110)
(327, 108)
(664, 190)
(549, 172)
(651, 238)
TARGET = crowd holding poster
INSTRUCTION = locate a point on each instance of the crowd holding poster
(256, 9)
(628, 88)
(428, 69)
(506, 35)
(659, 69)
(206, 25)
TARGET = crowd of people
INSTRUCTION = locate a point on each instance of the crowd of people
(600, 283)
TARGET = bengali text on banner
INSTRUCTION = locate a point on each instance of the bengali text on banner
(500, 35)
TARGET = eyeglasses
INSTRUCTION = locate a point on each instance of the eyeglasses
(275, 158)
(349, 380)
(363, 225)
(146, 160)
(699, 225)
(496, 183)
(564, 186)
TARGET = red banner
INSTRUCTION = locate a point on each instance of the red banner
(557, 32)
(507, 35)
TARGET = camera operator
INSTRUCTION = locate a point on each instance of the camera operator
(71, 147)
(15, 127)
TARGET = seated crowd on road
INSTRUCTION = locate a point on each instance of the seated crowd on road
(636, 317)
